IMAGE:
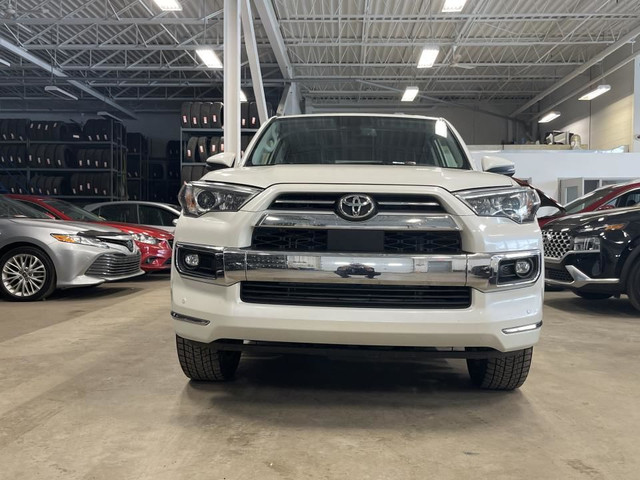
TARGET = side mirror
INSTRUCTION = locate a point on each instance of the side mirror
(606, 206)
(221, 160)
(498, 165)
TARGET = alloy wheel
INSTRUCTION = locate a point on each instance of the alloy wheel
(24, 275)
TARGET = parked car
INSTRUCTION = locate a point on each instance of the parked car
(441, 260)
(155, 245)
(38, 254)
(605, 198)
(595, 254)
(152, 214)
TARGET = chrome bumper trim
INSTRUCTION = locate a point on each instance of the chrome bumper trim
(523, 328)
(185, 318)
(581, 279)
(386, 221)
(479, 270)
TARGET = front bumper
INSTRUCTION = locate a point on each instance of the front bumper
(155, 258)
(576, 279)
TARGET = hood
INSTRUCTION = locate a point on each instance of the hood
(618, 215)
(132, 228)
(448, 178)
(61, 226)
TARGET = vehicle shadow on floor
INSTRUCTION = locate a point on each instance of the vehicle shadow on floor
(308, 391)
(579, 306)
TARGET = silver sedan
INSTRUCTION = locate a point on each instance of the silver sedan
(38, 255)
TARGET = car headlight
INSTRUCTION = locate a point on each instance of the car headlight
(93, 242)
(586, 244)
(143, 238)
(198, 198)
(518, 204)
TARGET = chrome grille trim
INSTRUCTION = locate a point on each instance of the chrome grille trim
(382, 221)
(114, 265)
(556, 243)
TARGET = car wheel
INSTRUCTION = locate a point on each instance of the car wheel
(200, 362)
(633, 286)
(593, 295)
(27, 274)
(501, 373)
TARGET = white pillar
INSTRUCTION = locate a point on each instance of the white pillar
(232, 76)
(254, 62)
(635, 140)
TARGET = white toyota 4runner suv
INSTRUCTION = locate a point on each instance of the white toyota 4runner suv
(358, 234)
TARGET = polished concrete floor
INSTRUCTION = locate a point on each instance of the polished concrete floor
(90, 388)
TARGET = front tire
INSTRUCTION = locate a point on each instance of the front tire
(633, 286)
(202, 363)
(593, 295)
(26, 274)
(501, 373)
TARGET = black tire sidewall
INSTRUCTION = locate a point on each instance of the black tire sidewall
(50, 281)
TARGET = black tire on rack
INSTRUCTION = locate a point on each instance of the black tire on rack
(214, 145)
(32, 129)
(106, 158)
(11, 128)
(74, 183)
(59, 131)
(90, 130)
(245, 138)
(173, 150)
(47, 128)
(192, 146)
(202, 149)
(37, 132)
(195, 115)
(47, 186)
(254, 119)
(3, 156)
(57, 186)
(40, 185)
(185, 174)
(81, 160)
(244, 115)
(10, 158)
(185, 114)
(21, 156)
(31, 156)
(61, 156)
(4, 129)
(217, 115)
(22, 128)
(50, 153)
(40, 153)
(205, 114)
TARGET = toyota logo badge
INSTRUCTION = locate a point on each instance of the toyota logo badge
(356, 207)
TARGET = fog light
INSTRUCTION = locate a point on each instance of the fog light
(523, 267)
(192, 260)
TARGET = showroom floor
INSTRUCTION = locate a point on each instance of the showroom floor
(91, 389)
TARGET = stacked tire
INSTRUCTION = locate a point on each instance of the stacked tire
(14, 129)
(54, 131)
(211, 114)
(102, 130)
(192, 172)
(13, 184)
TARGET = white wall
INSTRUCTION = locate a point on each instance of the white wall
(544, 168)
(605, 122)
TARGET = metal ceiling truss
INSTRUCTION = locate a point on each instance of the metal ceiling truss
(338, 51)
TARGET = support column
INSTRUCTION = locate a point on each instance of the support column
(635, 131)
(232, 77)
(254, 61)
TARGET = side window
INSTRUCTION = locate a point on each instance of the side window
(120, 213)
(629, 199)
(155, 216)
(37, 207)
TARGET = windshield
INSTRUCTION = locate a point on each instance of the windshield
(73, 212)
(590, 198)
(12, 209)
(342, 140)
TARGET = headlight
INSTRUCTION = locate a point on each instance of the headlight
(518, 204)
(142, 238)
(198, 198)
(586, 244)
(93, 242)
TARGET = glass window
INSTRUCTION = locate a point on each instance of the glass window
(120, 213)
(11, 209)
(35, 206)
(583, 202)
(629, 199)
(156, 216)
(72, 211)
(352, 139)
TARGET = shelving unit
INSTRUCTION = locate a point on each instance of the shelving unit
(117, 161)
(138, 147)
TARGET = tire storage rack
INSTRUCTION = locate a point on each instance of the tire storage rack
(64, 159)
(137, 166)
(164, 175)
(202, 132)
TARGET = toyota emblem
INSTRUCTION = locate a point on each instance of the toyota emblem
(356, 207)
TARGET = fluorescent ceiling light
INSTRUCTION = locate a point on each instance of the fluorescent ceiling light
(209, 57)
(243, 97)
(60, 93)
(410, 94)
(595, 93)
(4, 62)
(168, 5)
(428, 56)
(548, 117)
(451, 6)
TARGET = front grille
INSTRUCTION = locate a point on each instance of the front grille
(114, 265)
(355, 295)
(558, 274)
(386, 203)
(556, 244)
(373, 241)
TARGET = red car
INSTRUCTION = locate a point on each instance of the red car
(155, 245)
(604, 198)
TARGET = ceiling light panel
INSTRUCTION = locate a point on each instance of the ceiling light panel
(453, 6)
(209, 57)
(168, 5)
(410, 94)
(595, 93)
(428, 56)
(549, 117)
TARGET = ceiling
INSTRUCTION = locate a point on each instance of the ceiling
(341, 52)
